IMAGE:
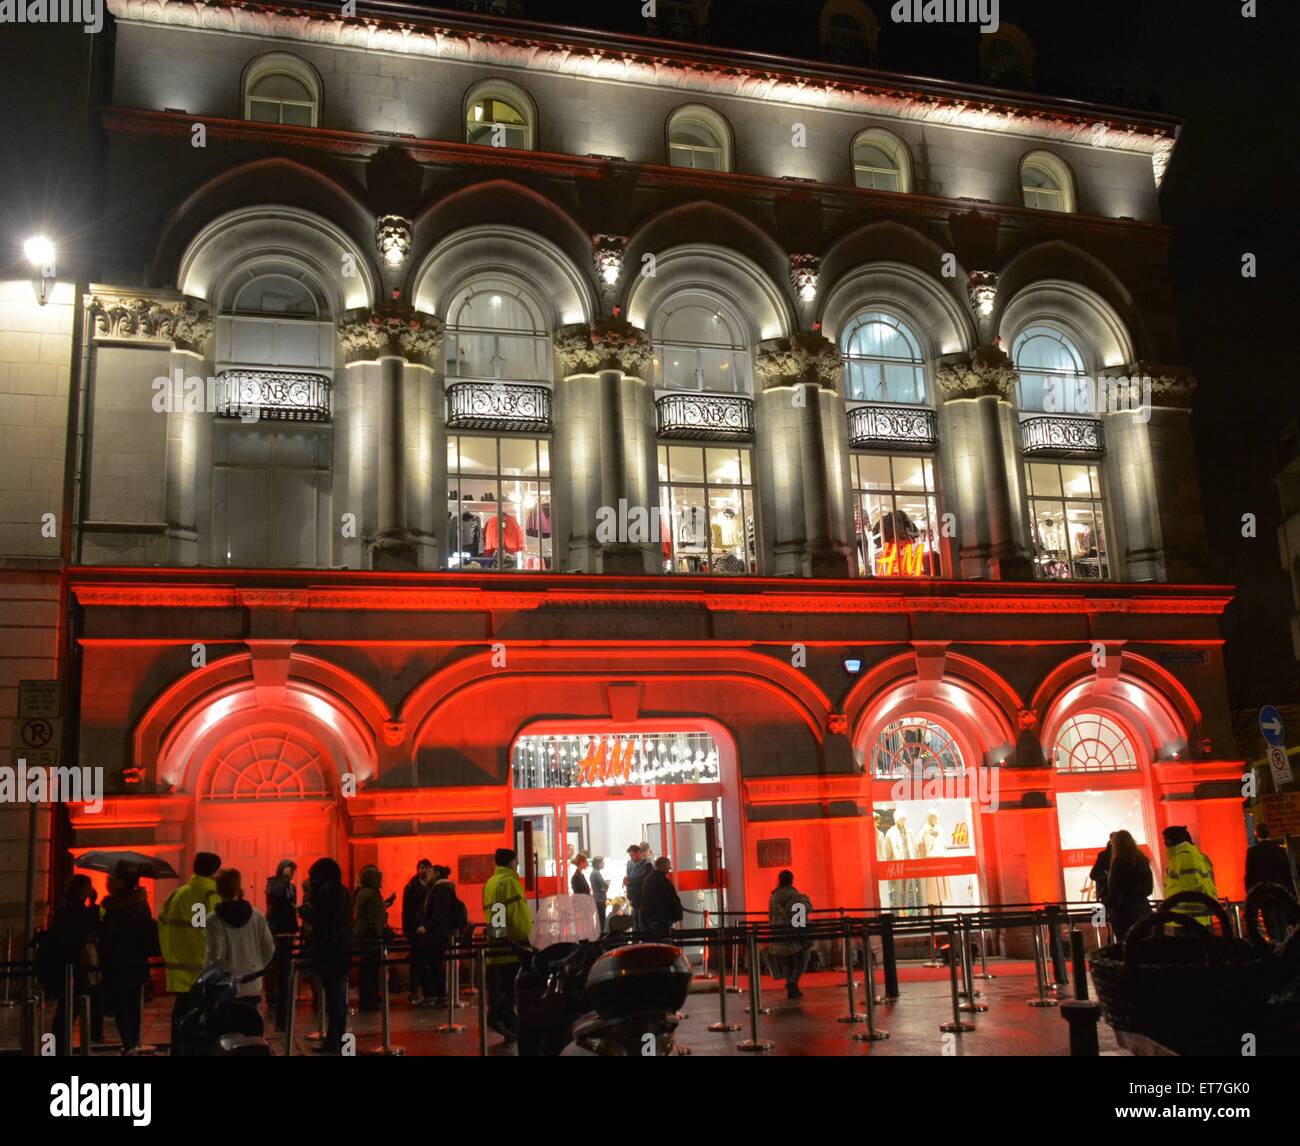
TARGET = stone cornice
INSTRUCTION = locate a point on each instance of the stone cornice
(128, 316)
(703, 71)
(986, 373)
(606, 344)
(365, 336)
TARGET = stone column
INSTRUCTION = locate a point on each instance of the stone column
(801, 456)
(1158, 532)
(983, 479)
(604, 458)
(394, 411)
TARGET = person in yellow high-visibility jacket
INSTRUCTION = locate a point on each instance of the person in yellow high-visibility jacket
(509, 925)
(1187, 868)
(184, 943)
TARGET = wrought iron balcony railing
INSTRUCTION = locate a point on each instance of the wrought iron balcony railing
(706, 417)
(505, 406)
(1062, 434)
(894, 427)
(273, 395)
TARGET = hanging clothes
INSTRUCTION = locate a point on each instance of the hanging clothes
(471, 534)
(502, 533)
(538, 522)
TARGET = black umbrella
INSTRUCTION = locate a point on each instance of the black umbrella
(148, 867)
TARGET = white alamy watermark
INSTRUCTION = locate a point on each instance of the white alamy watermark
(89, 13)
(77, 1099)
(925, 782)
(194, 395)
(36, 784)
(639, 524)
(981, 12)
(1084, 395)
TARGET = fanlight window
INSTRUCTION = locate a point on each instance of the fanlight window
(1046, 184)
(1092, 742)
(700, 347)
(915, 745)
(281, 98)
(698, 138)
(268, 765)
(880, 162)
(497, 123)
(495, 330)
(1053, 375)
(882, 360)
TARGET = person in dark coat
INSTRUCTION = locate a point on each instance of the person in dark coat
(599, 889)
(1128, 885)
(71, 940)
(370, 930)
(128, 939)
(444, 921)
(1100, 868)
(660, 905)
(282, 918)
(414, 895)
(638, 869)
(1267, 862)
(327, 913)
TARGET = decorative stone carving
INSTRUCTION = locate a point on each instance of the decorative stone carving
(392, 332)
(837, 723)
(607, 255)
(804, 270)
(983, 289)
(607, 344)
(1026, 719)
(986, 373)
(393, 238)
(810, 359)
(1171, 386)
(1161, 151)
(140, 319)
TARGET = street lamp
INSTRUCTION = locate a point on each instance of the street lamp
(40, 253)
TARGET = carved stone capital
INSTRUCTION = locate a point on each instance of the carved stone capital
(606, 344)
(392, 332)
(185, 323)
(802, 359)
(986, 373)
(1171, 386)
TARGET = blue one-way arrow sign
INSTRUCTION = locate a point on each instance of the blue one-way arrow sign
(1270, 724)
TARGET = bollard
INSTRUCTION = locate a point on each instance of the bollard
(933, 961)
(1080, 965)
(967, 970)
(83, 1021)
(291, 1009)
(871, 1034)
(889, 957)
(451, 1027)
(722, 1024)
(852, 1016)
(480, 973)
(958, 1024)
(984, 972)
(754, 1043)
(1040, 970)
(1083, 1016)
(69, 987)
(385, 1017)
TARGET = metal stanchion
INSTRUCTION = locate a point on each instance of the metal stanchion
(1238, 928)
(385, 1017)
(852, 1016)
(967, 971)
(888, 957)
(480, 973)
(759, 968)
(1080, 964)
(83, 1021)
(8, 1000)
(932, 961)
(871, 1034)
(321, 1022)
(984, 972)
(1040, 970)
(754, 1043)
(735, 970)
(1055, 948)
(704, 976)
(291, 1009)
(69, 987)
(958, 1024)
(451, 1027)
(31, 1027)
(722, 1024)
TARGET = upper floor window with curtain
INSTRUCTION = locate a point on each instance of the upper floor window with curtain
(498, 114)
(882, 360)
(700, 345)
(280, 88)
(1053, 375)
(699, 138)
(495, 330)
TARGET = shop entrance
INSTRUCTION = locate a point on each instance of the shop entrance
(599, 794)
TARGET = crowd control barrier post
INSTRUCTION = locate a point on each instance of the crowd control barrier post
(292, 1009)
(385, 1016)
(984, 972)
(933, 961)
(871, 1034)
(1040, 969)
(889, 957)
(968, 970)
(480, 973)
(83, 1021)
(958, 1025)
(852, 1016)
(69, 1001)
(8, 1000)
(1054, 946)
(722, 1024)
(451, 1027)
(704, 976)
(754, 1043)
(31, 1027)
(320, 1033)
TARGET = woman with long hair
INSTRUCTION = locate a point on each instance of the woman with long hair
(1128, 885)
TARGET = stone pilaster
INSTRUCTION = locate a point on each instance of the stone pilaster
(1150, 473)
(982, 476)
(801, 452)
(393, 374)
(604, 452)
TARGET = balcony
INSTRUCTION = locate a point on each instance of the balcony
(273, 396)
(1062, 435)
(501, 406)
(706, 417)
(893, 427)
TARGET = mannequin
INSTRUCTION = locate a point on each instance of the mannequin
(929, 843)
(899, 845)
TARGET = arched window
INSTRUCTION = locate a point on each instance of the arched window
(495, 330)
(848, 33)
(915, 743)
(882, 360)
(1046, 183)
(1053, 374)
(280, 88)
(699, 138)
(881, 161)
(700, 344)
(500, 114)
(1093, 742)
(1007, 58)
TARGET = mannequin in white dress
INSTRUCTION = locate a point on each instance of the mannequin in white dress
(899, 845)
(929, 843)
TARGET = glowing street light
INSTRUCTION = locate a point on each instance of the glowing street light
(40, 253)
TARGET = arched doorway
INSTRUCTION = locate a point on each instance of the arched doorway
(266, 792)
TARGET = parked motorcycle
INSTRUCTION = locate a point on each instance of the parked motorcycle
(215, 1022)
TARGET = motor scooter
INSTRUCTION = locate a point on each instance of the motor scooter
(214, 1022)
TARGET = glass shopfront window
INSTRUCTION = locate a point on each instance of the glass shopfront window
(498, 503)
(1067, 520)
(926, 854)
(706, 500)
(895, 516)
(1086, 820)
